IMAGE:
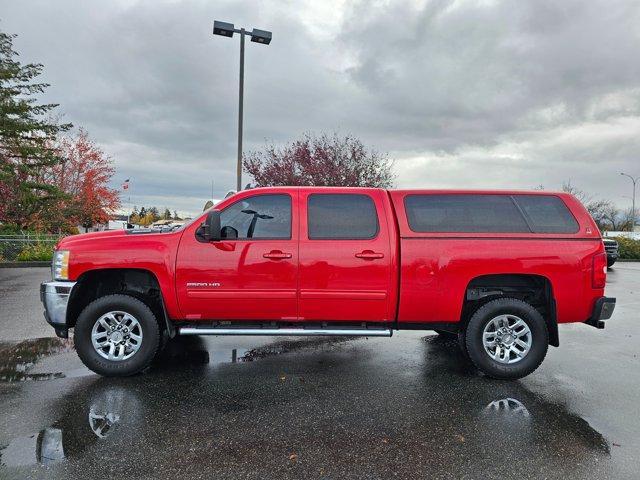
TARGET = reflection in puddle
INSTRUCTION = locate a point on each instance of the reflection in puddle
(44, 447)
(17, 359)
(507, 407)
(112, 410)
(287, 346)
(102, 423)
(192, 351)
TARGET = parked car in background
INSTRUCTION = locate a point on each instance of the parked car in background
(501, 270)
(611, 247)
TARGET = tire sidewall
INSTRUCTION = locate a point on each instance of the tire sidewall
(521, 309)
(150, 335)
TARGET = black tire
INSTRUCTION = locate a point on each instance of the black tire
(610, 262)
(481, 359)
(150, 336)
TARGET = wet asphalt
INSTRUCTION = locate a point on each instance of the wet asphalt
(252, 407)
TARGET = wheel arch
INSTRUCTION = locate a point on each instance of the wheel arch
(534, 289)
(136, 282)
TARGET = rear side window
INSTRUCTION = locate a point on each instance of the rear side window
(547, 214)
(341, 216)
(464, 213)
(489, 214)
(260, 216)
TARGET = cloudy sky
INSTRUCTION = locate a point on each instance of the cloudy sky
(488, 94)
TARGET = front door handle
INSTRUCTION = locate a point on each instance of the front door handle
(276, 255)
(369, 255)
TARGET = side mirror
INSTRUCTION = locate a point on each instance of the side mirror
(211, 227)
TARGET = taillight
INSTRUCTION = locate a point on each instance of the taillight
(599, 272)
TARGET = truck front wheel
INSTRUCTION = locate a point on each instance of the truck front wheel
(506, 338)
(117, 335)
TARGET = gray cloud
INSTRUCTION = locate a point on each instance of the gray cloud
(461, 93)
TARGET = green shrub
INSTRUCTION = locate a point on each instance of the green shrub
(9, 229)
(36, 252)
(628, 248)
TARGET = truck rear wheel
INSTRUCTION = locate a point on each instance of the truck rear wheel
(506, 338)
(117, 335)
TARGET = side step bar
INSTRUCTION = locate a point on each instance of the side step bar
(293, 332)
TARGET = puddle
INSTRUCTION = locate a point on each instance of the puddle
(286, 346)
(44, 448)
(112, 408)
(17, 360)
(181, 408)
(198, 351)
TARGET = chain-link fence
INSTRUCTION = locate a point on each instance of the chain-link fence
(27, 247)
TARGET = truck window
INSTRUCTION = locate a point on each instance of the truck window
(260, 216)
(464, 213)
(341, 216)
(547, 214)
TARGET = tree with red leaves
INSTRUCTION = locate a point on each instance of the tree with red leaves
(320, 161)
(84, 177)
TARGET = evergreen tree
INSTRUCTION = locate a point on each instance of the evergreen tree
(27, 142)
(167, 214)
(153, 211)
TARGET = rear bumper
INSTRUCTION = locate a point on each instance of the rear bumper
(602, 310)
(55, 297)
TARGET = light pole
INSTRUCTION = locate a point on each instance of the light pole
(258, 36)
(633, 200)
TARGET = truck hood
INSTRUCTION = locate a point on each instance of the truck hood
(111, 235)
(67, 242)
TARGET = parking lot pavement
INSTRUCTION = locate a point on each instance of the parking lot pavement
(21, 311)
(406, 407)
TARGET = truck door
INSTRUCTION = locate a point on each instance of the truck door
(345, 256)
(252, 273)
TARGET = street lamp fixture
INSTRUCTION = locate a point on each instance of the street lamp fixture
(226, 29)
(261, 36)
(633, 199)
(223, 28)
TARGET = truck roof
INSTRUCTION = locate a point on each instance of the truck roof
(429, 190)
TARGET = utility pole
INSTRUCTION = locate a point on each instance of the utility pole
(226, 29)
(633, 200)
(240, 112)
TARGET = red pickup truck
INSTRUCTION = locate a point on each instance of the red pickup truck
(500, 270)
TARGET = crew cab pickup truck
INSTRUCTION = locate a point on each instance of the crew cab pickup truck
(499, 270)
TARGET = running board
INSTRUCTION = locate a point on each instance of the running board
(289, 332)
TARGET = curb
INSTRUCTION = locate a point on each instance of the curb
(628, 260)
(24, 264)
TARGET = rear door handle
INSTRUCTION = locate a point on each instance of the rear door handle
(276, 255)
(369, 255)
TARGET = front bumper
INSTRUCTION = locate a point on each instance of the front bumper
(55, 297)
(602, 310)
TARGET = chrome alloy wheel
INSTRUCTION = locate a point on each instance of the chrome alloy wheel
(116, 336)
(507, 339)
